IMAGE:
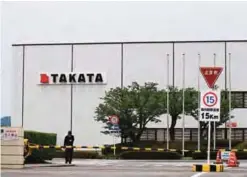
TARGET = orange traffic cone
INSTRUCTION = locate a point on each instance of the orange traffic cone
(218, 158)
(232, 161)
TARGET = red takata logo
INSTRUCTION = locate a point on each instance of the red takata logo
(44, 78)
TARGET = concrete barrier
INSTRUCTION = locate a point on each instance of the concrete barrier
(207, 168)
(12, 147)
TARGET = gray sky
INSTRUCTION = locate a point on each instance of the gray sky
(37, 22)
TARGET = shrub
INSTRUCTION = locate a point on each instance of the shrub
(149, 155)
(40, 155)
(241, 155)
(186, 153)
(79, 154)
(221, 144)
(203, 155)
(242, 145)
(189, 145)
(108, 150)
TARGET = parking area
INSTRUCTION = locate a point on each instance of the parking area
(122, 168)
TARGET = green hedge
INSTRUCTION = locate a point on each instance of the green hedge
(79, 154)
(221, 144)
(203, 155)
(150, 155)
(39, 156)
(242, 145)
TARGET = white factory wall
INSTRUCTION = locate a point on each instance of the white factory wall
(238, 66)
(93, 58)
(238, 77)
(16, 99)
(48, 108)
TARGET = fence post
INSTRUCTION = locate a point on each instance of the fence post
(243, 133)
(155, 136)
(191, 134)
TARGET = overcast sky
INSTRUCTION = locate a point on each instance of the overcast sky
(37, 22)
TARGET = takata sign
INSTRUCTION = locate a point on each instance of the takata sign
(73, 78)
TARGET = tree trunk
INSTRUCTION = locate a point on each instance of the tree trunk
(133, 138)
(172, 127)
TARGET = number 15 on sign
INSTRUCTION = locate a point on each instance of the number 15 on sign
(210, 106)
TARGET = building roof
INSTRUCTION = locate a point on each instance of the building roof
(126, 42)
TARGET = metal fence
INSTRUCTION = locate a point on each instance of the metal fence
(158, 134)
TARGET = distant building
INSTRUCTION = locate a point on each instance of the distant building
(6, 121)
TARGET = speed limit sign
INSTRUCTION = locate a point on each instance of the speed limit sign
(114, 119)
(210, 106)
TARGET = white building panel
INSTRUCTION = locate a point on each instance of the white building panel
(16, 116)
(47, 107)
(238, 66)
(147, 63)
(93, 58)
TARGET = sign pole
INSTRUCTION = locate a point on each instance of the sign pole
(209, 135)
(230, 106)
(214, 121)
(183, 103)
(168, 106)
(199, 127)
(114, 145)
(210, 101)
(114, 120)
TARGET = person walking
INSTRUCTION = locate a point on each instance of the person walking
(69, 141)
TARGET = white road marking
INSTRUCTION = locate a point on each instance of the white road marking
(198, 174)
(158, 165)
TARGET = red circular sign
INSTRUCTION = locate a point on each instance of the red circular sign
(114, 119)
(208, 98)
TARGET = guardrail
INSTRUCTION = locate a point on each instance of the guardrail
(29, 147)
(122, 148)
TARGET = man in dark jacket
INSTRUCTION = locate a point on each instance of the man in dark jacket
(68, 141)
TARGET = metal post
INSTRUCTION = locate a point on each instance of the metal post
(167, 103)
(183, 103)
(230, 102)
(114, 145)
(199, 128)
(209, 130)
(214, 121)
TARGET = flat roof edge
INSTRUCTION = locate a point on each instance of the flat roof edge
(127, 42)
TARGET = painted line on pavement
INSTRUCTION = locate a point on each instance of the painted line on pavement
(198, 174)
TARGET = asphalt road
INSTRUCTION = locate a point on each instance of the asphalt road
(123, 168)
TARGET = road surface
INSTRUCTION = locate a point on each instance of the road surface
(124, 168)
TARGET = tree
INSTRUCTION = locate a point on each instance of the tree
(135, 105)
(176, 105)
(224, 114)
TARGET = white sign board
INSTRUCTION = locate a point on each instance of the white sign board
(225, 155)
(210, 106)
(9, 134)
